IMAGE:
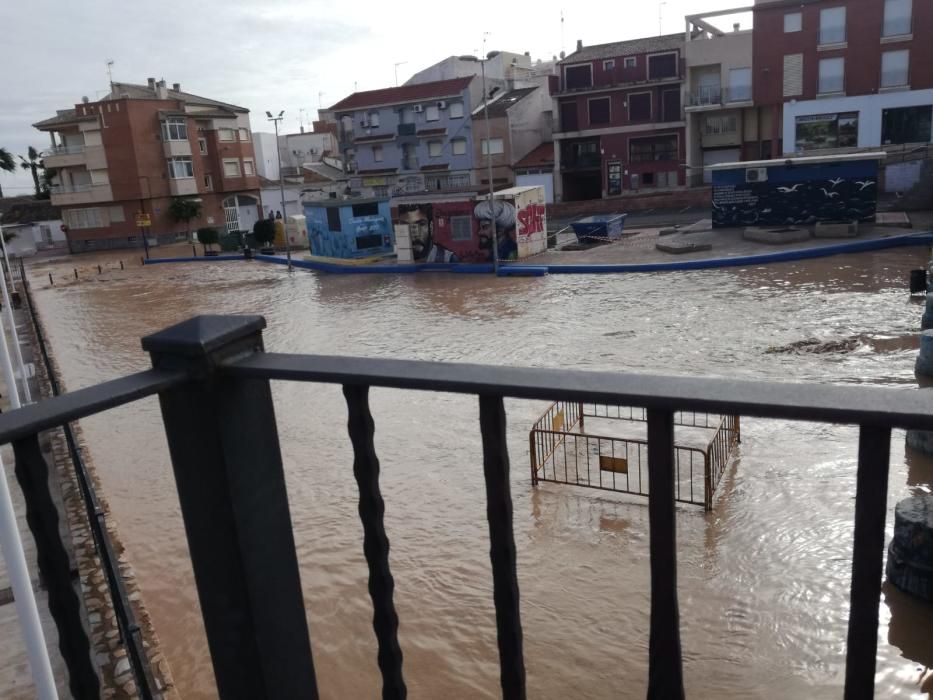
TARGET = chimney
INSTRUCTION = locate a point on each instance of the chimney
(528, 54)
(85, 99)
(151, 83)
(176, 87)
(735, 27)
(579, 44)
(302, 128)
(161, 90)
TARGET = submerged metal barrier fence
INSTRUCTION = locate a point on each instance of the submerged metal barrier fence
(213, 377)
(75, 643)
(561, 454)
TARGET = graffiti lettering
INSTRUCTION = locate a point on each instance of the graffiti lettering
(531, 220)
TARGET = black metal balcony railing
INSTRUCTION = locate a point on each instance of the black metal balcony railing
(232, 491)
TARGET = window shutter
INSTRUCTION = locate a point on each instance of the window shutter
(793, 74)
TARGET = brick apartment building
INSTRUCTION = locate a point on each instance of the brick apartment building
(620, 121)
(137, 149)
(844, 74)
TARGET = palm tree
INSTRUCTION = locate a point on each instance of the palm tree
(33, 164)
(6, 163)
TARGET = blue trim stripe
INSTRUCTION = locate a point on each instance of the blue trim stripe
(516, 269)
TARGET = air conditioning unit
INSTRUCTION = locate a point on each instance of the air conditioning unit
(418, 108)
(442, 104)
(756, 175)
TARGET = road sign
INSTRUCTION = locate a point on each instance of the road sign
(143, 220)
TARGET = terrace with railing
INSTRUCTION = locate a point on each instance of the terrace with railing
(234, 503)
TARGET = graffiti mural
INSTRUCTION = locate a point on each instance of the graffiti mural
(503, 214)
(796, 194)
(421, 225)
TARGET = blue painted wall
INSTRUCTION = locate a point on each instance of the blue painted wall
(358, 237)
(797, 194)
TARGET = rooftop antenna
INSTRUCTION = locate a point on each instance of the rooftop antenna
(110, 72)
(400, 63)
(320, 100)
(562, 31)
(301, 118)
(660, 7)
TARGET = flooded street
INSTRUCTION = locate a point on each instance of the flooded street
(763, 579)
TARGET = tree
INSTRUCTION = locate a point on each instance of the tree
(264, 232)
(33, 164)
(208, 236)
(7, 164)
(184, 210)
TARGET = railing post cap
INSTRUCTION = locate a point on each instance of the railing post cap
(202, 335)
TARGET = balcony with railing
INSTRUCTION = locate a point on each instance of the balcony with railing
(234, 501)
(87, 193)
(716, 97)
(64, 156)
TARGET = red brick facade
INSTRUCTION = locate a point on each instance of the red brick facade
(137, 167)
(862, 50)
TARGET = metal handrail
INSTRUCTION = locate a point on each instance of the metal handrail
(852, 405)
(75, 189)
(127, 624)
(63, 150)
(232, 491)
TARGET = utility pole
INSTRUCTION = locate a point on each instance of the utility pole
(278, 153)
(401, 63)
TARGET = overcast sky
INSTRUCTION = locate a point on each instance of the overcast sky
(276, 54)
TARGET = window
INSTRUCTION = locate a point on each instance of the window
(408, 115)
(740, 84)
(629, 62)
(377, 154)
(895, 68)
(461, 228)
(492, 147)
(333, 219)
(373, 119)
(174, 129)
(832, 75)
(609, 65)
(116, 215)
(458, 147)
(906, 124)
(202, 146)
(432, 113)
(373, 240)
(435, 148)
(365, 209)
(577, 77)
(720, 124)
(639, 107)
(208, 183)
(231, 167)
(226, 134)
(896, 17)
(658, 148)
(833, 25)
(662, 65)
(793, 22)
(670, 105)
(819, 131)
(599, 110)
(244, 134)
(180, 168)
(456, 110)
(83, 218)
(248, 167)
(568, 116)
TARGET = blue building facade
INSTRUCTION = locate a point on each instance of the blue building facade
(412, 138)
(357, 228)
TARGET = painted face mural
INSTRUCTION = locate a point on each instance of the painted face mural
(503, 213)
(420, 221)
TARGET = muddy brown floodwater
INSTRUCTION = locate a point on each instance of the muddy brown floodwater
(763, 579)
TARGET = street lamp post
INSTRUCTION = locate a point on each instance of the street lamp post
(492, 216)
(278, 153)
